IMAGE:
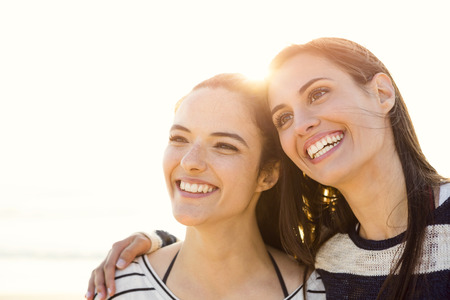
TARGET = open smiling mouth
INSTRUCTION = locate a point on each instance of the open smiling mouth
(196, 187)
(321, 147)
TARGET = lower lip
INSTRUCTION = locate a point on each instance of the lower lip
(324, 156)
(194, 195)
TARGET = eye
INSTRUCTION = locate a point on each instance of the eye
(177, 139)
(281, 119)
(316, 94)
(226, 146)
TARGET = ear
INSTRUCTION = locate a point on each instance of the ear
(384, 90)
(268, 176)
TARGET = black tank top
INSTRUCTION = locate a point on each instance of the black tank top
(277, 270)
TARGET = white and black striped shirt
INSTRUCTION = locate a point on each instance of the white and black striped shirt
(140, 282)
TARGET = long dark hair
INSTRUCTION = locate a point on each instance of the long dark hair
(322, 211)
(254, 92)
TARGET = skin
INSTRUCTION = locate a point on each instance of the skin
(211, 141)
(120, 256)
(311, 98)
(364, 166)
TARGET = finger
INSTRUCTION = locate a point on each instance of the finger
(99, 281)
(91, 288)
(115, 252)
(109, 269)
(139, 245)
(109, 266)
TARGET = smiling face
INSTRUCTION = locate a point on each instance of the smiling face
(211, 163)
(330, 127)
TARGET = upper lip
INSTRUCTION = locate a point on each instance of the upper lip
(314, 139)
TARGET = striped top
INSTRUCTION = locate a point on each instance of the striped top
(140, 282)
(355, 268)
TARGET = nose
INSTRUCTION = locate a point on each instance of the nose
(305, 122)
(194, 159)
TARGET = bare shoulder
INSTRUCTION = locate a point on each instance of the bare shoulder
(161, 259)
(290, 269)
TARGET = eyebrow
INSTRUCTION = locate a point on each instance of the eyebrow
(300, 91)
(231, 135)
(219, 134)
(277, 108)
(179, 127)
(309, 83)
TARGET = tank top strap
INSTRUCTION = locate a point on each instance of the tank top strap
(277, 270)
(166, 275)
(280, 277)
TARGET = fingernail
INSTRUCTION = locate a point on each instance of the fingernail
(100, 295)
(120, 263)
(88, 294)
(109, 292)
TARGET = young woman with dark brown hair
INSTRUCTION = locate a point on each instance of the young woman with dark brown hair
(378, 210)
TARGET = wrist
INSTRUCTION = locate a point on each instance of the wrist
(155, 241)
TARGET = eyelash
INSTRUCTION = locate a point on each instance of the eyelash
(226, 146)
(278, 122)
(223, 146)
(177, 139)
(321, 90)
(278, 119)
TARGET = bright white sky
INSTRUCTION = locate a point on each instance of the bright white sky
(87, 90)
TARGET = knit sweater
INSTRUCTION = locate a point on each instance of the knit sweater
(355, 268)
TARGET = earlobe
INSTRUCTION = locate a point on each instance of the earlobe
(384, 90)
(268, 177)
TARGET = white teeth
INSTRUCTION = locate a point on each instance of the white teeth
(320, 145)
(324, 145)
(196, 188)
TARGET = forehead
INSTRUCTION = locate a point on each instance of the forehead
(299, 69)
(217, 102)
(216, 109)
(304, 64)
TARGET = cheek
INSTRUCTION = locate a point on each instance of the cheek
(247, 170)
(167, 160)
(171, 159)
(288, 143)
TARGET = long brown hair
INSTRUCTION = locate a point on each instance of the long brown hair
(322, 211)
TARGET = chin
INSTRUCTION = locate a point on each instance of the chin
(328, 178)
(187, 219)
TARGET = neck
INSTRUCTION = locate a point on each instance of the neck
(219, 242)
(220, 256)
(378, 198)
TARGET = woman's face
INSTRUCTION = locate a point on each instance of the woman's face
(331, 127)
(211, 163)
